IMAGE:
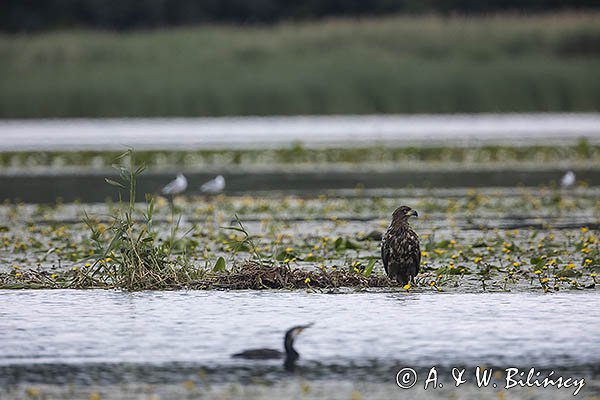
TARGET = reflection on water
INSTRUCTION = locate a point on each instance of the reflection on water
(261, 132)
(204, 328)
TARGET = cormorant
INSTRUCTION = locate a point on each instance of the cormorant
(291, 355)
(400, 249)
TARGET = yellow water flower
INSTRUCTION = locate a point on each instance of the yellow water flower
(33, 392)
(307, 281)
(537, 272)
(477, 260)
(95, 396)
(87, 265)
(570, 266)
(424, 254)
(407, 286)
(516, 264)
(189, 385)
(289, 250)
(544, 280)
(584, 229)
(587, 261)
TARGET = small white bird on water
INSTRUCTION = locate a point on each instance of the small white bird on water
(214, 186)
(176, 186)
(568, 180)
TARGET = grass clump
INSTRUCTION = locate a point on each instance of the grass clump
(132, 256)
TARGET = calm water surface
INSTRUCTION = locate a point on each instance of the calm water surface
(313, 131)
(204, 328)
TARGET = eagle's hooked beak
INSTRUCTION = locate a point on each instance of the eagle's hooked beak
(412, 213)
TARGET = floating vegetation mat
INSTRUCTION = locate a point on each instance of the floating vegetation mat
(581, 153)
(500, 240)
(250, 275)
(471, 240)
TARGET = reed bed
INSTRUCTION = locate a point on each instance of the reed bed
(396, 64)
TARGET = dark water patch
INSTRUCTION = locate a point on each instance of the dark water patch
(91, 187)
(206, 375)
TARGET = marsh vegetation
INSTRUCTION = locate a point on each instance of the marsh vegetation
(472, 240)
(401, 64)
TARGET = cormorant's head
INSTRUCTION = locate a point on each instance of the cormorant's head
(290, 335)
(295, 331)
(402, 213)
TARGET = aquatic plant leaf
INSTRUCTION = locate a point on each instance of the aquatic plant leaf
(444, 244)
(350, 245)
(340, 244)
(220, 265)
(537, 261)
(369, 270)
(114, 183)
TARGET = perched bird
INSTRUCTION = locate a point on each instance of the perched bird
(568, 180)
(176, 186)
(214, 186)
(291, 355)
(400, 249)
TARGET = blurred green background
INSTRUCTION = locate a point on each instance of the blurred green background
(83, 58)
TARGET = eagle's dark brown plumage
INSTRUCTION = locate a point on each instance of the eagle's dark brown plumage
(400, 249)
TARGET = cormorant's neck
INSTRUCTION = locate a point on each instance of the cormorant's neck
(290, 353)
